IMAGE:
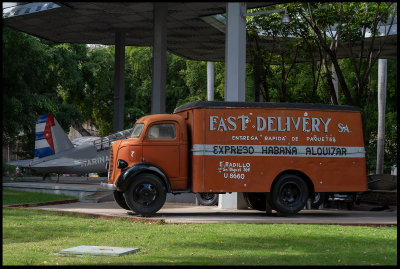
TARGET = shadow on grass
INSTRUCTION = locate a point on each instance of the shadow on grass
(39, 228)
(280, 250)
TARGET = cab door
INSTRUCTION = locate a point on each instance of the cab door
(161, 147)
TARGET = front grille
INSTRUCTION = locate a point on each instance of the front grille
(111, 163)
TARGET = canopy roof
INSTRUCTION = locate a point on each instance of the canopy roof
(189, 33)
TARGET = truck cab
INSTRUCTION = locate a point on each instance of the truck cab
(154, 159)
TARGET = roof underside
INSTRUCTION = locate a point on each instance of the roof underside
(96, 23)
(187, 34)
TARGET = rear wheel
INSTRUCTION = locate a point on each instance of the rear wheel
(319, 198)
(289, 194)
(146, 194)
(119, 198)
(207, 199)
(256, 200)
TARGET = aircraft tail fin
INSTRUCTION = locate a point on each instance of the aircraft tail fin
(50, 138)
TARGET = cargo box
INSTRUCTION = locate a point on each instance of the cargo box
(243, 147)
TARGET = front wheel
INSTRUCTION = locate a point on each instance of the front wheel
(119, 198)
(289, 194)
(146, 194)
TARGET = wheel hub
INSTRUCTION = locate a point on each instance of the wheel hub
(207, 196)
(145, 193)
(289, 193)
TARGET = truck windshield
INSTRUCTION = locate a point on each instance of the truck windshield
(137, 129)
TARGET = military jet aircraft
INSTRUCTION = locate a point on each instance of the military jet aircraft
(56, 153)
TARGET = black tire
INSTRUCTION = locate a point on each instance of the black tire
(207, 199)
(289, 194)
(256, 200)
(119, 198)
(146, 194)
(319, 198)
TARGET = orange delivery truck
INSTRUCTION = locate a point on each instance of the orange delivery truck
(277, 154)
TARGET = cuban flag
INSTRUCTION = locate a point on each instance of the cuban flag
(44, 144)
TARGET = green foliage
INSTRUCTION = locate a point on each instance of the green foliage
(177, 88)
(35, 77)
(195, 76)
(138, 84)
(350, 20)
(300, 85)
(8, 170)
(219, 81)
(96, 97)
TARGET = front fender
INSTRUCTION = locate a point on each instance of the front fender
(128, 174)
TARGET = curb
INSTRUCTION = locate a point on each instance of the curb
(377, 203)
(102, 216)
(42, 203)
(108, 217)
(164, 221)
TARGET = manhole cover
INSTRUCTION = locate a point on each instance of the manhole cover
(99, 250)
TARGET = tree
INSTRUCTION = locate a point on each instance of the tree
(321, 29)
(273, 68)
(95, 98)
(31, 87)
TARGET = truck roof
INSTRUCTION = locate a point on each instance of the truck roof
(224, 104)
(159, 117)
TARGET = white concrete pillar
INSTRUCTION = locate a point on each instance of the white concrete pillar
(158, 101)
(235, 77)
(210, 81)
(382, 77)
(119, 82)
(235, 52)
(335, 82)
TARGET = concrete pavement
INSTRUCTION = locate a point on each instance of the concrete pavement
(86, 189)
(190, 213)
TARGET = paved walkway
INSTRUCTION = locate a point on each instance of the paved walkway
(173, 212)
(190, 213)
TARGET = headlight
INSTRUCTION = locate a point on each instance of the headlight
(122, 164)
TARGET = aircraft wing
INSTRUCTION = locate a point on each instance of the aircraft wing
(49, 166)
(22, 163)
(59, 162)
(59, 165)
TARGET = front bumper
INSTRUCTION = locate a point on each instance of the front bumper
(110, 187)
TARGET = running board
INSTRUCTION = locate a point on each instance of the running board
(175, 192)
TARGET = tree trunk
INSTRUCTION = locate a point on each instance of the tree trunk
(282, 92)
(328, 81)
(80, 129)
(332, 56)
(265, 87)
(257, 78)
(365, 120)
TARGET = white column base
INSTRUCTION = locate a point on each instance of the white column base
(234, 200)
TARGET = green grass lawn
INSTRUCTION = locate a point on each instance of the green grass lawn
(32, 237)
(11, 197)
